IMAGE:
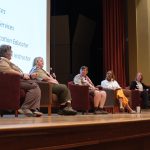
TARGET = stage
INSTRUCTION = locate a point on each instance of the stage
(89, 132)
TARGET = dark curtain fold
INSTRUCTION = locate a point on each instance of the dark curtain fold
(114, 39)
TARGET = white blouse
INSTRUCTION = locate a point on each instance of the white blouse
(139, 86)
(113, 84)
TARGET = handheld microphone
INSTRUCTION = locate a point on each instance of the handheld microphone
(52, 73)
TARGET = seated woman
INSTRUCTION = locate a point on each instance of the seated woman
(99, 96)
(61, 90)
(31, 104)
(144, 89)
(111, 83)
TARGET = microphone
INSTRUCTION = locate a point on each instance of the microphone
(52, 73)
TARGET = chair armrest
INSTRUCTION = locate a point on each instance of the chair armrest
(9, 91)
(46, 92)
(111, 97)
(127, 93)
(80, 96)
(133, 97)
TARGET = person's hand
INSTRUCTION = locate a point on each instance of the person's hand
(99, 87)
(33, 75)
(117, 89)
(26, 76)
(96, 88)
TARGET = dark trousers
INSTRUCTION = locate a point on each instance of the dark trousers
(145, 98)
(62, 92)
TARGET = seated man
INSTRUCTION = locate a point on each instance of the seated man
(61, 90)
(31, 105)
(111, 83)
(99, 95)
(137, 84)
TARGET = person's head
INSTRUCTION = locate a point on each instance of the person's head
(84, 70)
(110, 75)
(5, 51)
(38, 61)
(139, 77)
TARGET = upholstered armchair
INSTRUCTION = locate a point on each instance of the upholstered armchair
(80, 97)
(133, 97)
(9, 92)
(111, 104)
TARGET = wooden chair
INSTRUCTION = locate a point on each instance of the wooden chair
(48, 99)
(46, 95)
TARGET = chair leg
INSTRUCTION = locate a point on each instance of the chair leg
(83, 112)
(49, 110)
(87, 112)
(16, 113)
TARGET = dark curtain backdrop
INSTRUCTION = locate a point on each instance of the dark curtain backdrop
(114, 39)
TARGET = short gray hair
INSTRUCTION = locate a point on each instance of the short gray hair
(4, 49)
(36, 60)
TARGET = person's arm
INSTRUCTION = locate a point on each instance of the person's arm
(145, 87)
(42, 75)
(50, 79)
(133, 85)
(116, 85)
(88, 82)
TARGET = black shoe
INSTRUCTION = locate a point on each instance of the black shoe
(67, 111)
(103, 112)
(100, 112)
(26, 112)
(96, 112)
(36, 113)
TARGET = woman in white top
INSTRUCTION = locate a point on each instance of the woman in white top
(111, 83)
(99, 96)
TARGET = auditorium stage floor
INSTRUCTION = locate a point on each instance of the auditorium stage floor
(80, 132)
(9, 122)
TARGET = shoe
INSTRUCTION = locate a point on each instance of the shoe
(100, 112)
(103, 112)
(121, 109)
(26, 112)
(20, 111)
(132, 112)
(67, 111)
(37, 113)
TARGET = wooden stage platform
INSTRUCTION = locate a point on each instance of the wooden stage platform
(80, 132)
